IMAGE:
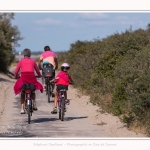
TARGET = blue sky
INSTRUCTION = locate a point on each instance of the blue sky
(60, 29)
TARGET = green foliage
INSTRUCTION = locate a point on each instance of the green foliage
(7, 31)
(118, 65)
(127, 119)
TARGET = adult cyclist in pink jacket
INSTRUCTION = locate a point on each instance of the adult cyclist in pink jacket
(26, 67)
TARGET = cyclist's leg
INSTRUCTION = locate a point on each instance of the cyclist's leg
(55, 99)
(33, 98)
(42, 76)
(43, 80)
(65, 93)
(53, 85)
(22, 102)
(55, 103)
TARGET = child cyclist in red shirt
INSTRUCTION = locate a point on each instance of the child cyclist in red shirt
(63, 79)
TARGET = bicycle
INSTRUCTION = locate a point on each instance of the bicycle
(48, 75)
(61, 104)
(48, 87)
(28, 89)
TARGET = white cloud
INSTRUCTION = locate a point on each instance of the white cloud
(97, 23)
(93, 19)
(124, 20)
(92, 16)
(39, 29)
(99, 19)
(48, 21)
(117, 20)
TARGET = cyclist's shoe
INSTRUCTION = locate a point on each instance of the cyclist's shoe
(22, 111)
(54, 111)
(53, 95)
(34, 106)
(67, 101)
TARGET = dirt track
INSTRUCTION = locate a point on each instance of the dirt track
(81, 120)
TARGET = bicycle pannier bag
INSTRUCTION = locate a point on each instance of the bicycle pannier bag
(28, 87)
(48, 70)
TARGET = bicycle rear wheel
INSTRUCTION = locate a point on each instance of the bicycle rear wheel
(31, 108)
(59, 107)
(62, 112)
(29, 113)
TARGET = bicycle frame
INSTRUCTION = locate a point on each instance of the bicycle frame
(28, 101)
(61, 104)
(28, 104)
(48, 87)
(47, 72)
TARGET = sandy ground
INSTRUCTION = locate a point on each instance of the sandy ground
(109, 123)
(6, 85)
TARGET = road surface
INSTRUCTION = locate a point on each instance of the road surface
(82, 120)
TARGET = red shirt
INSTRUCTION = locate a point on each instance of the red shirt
(27, 65)
(62, 78)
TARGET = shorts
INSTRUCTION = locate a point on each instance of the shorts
(60, 87)
(28, 87)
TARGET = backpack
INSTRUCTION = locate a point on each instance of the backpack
(48, 70)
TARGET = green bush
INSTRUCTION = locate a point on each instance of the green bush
(118, 65)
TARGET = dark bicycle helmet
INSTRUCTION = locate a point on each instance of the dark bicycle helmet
(65, 66)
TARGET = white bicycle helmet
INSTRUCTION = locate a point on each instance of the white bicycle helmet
(65, 66)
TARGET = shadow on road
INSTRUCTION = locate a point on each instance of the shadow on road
(5, 80)
(51, 101)
(41, 120)
(72, 118)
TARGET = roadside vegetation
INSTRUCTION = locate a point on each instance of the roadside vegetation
(115, 73)
(9, 37)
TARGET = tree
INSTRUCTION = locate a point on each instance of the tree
(148, 26)
(7, 31)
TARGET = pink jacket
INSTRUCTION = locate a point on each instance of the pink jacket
(27, 66)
